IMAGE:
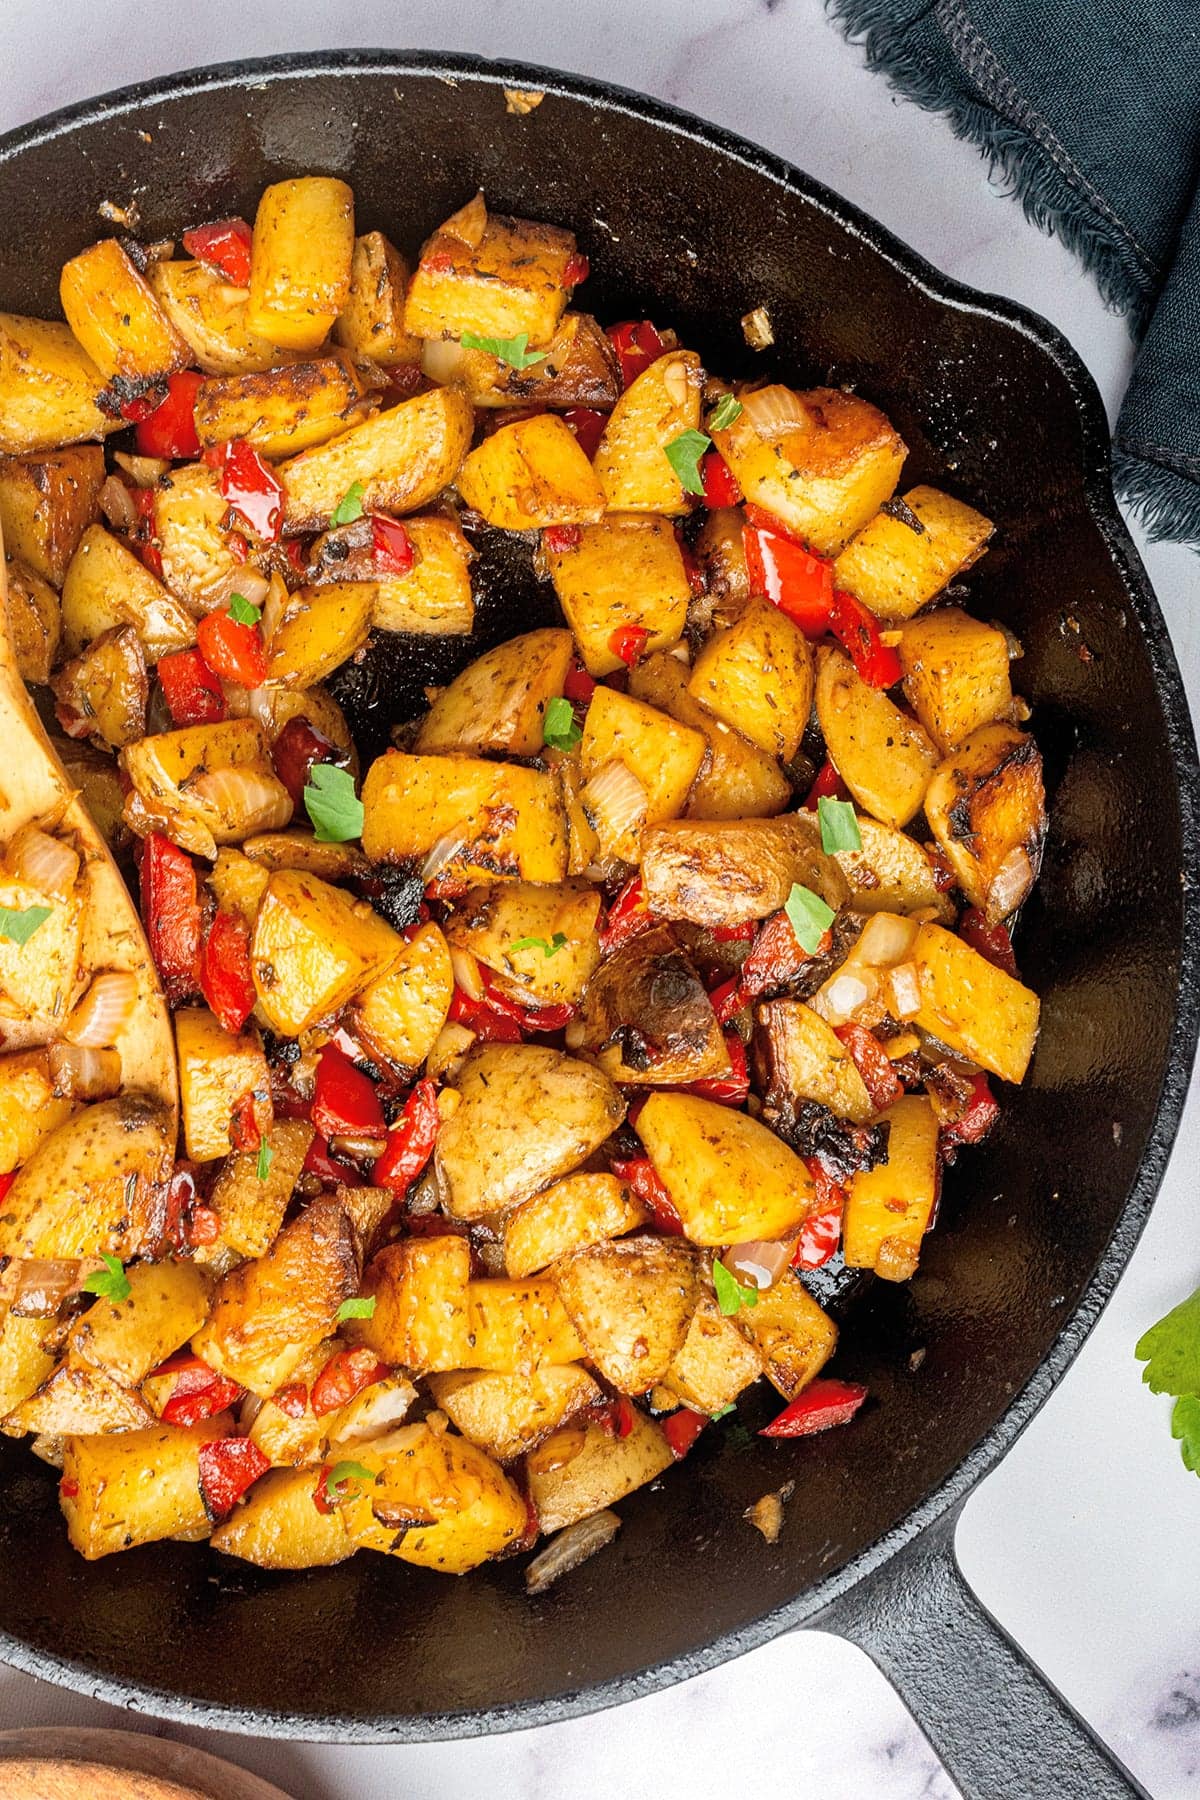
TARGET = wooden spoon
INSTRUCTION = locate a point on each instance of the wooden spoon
(72, 1763)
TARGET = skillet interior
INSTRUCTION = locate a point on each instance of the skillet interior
(693, 229)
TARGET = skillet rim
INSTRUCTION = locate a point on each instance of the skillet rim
(818, 1598)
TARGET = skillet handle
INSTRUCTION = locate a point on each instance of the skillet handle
(997, 1724)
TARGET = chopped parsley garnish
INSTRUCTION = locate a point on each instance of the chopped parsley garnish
(514, 350)
(724, 1411)
(731, 1294)
(241, 611)
(809, 917)
(338, 1479)
(728, 409)
(265, 1156)
(18, 926)
(332, 804)
(547, 946)
(684, 453)
(349, 507)
(1171, 1353)
(559, 729)
(362, 1307)
(839, 826)
(110, 1282)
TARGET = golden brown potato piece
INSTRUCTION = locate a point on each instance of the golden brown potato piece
(218, 1072)
(46, 504)
(731, 870)
(288, 1434)
(658, 407)
(34, 622)
(107, 585)
(29, 1107)
(313, 948)
(730, 1179)
(39, 978)
(49, 388)
(956, 674)
(136, 1487)
(436, 1500)
(321, 628)
(282, 411)
(371, 323)
(827, 477)
(434, 598)
(403, 458)
(531, 473)
(736, 780)
(661, 754)
(79, 1397)
(802, 1058)
(279, 1527)
(297, 849)
(580, 1469)
(509, 819)
(401, 1013)
(903, 557)
(87, 1187)
(25, 1362)
(721, 554)
(268, 1312)
(883, 756)
(794, 1338)
(972, 1006)
(421, 1318)
(238, 883)
(301, 261)
(498, 703)
(714, 1364)
(631, 1303)
(579, 368)
(541, 939)
(757, 676)
(647, 1018)
(211, 317)
(580, 1210)
(198, 566)
(494, 276)
(986, 807)
(526, 1116)
(167, 1302)
(113, 313)
(518, 1325)
(890, 1206)
(508, 1414)
(626, 570)
(106, 687)
(251, 1206)
(891, 873)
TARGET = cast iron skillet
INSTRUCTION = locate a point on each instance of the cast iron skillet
(693, 227)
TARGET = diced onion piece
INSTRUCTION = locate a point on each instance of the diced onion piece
(843, 995)
(449, 1047)
(48, 1447)
(34, 1287)
(571, 1547)
(358, 1149)
(469, 223)
(43, 862)
(773, 411)
(244, 799)
(376, 1410)
(253, 585)
(680, 652)
(756, 328)
(896, 1259)
(80, 1073)
(143, 471)
(614, 801)
(766, 1515)
(905, 987)
(886, 938)
(118, 505)
(759, 1263)
(675, 381)
(442, 360)
(1010, 884)
(102, 1015)
(466, 973)
(450, 845)
(273, 603)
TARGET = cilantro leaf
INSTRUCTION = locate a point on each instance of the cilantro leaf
(839, 826)
(332, 804)
(1185, 1425)
(684, 453)
(242, 612)
(731, 1295)
(363, 1307)
(809, 917)
(514, 350)
(18, 926)
(265, 1158)
(338, 1479)
(728, 409)
(547, 946)
(349, 507)
(1171, 1350)
(559, 729)
(111, 1282)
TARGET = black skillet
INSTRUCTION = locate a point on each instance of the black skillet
(693, 227)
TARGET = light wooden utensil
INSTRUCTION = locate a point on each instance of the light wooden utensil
(72, 1763)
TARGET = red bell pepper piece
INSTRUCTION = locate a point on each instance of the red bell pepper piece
(225, 978)
(944, 878)
(298, 746)
(627, 916)
(577, 270)
(827, 786)
(245, 1132)
(329, 1169)
(193, 694)
(232, 650)
(143, 535)
(991, 941)
(140, 406)
(637, 345)
(204, 1225)
(873, 1063)
(648, 1187)
(858, 630)
(557, 540)
(346, 1373)
(820, 1235)
(171, 915)
(228, 1466)
(391, 546)
(617, 1417)
(731, 1089)
(823, 1403)
(981, 1112)
(197, 1392)
(776, 958)
(68, 1489)
(734, 934)
(224, 245)
(292, 1400)
(6, 1182)
(529, 1018)
(251, 487)
(578, 685)
(170, 430)
(728, 1000)
(345, 1101)
(410, 1141)
(791, 577)
(588, 426)
(681, 1429)
(720, 483)
(628, 642)
(489, 1025)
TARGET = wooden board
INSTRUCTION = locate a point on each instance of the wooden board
(71, 1763)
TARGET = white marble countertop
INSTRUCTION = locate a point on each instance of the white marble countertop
(1086, 1542)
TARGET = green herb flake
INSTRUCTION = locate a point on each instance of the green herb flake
(809, 916)
(559, 730)
(547, 946)
(684, 453)
(723, 1412)
(18, 926)
(1171, 1353)
(363, 1307)
(349, 507)
(241, 611)
(514, 350)
(728, 409)
(110, 1282)
(265, 1157)
(839, 826)
(731, 1294)
(338, 1479)
(332, 804)
(1185, 1425)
